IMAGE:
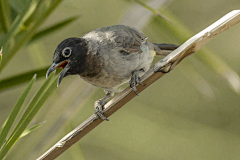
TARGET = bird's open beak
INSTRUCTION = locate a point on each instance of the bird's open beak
(54, 66)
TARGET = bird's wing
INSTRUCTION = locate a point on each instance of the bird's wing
(125, 38)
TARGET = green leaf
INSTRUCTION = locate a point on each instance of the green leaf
(15, 111)
(31, 129)
(5, 15)
(19, 5)
(44, 8)
(18, 22)
(12, 140)
(1, 55)
(21, 78)
(154, 11)
(32, 103)
(53, 28)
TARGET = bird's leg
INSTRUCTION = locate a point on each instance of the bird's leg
(135, 79)
(99, 105)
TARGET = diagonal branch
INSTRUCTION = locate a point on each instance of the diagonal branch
(159, 69)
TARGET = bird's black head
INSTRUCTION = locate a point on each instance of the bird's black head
(70, 55)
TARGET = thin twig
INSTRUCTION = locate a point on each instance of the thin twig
(159, 69)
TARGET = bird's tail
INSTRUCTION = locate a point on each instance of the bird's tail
(163, 49)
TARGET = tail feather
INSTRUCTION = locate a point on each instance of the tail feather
(163, 49)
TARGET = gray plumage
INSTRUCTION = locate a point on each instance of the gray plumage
(122, 50)
(108, 57)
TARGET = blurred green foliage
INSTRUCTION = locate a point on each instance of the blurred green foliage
(192, 113)
(0, 56)
(19, 21)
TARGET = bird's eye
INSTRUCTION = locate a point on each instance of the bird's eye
(66, 52)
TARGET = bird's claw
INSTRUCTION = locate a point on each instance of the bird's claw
(135, 79)
(99, 106)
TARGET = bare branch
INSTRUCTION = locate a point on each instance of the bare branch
(159, 69)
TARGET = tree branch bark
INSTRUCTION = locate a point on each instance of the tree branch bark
(159, 69)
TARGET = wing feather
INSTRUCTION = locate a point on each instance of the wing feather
(125, 37)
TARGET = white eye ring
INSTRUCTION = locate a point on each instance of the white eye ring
(66, 52)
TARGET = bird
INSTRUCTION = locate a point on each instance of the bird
(107, 57)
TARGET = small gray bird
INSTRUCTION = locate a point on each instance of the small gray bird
(107, 57)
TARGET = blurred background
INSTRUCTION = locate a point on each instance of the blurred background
(191, 113)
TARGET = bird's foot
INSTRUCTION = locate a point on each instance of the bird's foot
(135, 79)
(99, 107)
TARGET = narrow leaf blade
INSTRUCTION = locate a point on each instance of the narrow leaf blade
(53, 28)
(5, 15)
(32, 103)
(21, 78)
(46, 9)
(154, 11)
(1, 55)
(12, 140)
(18, 22)
(15, 111)
(19, 5)
(31, 129)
